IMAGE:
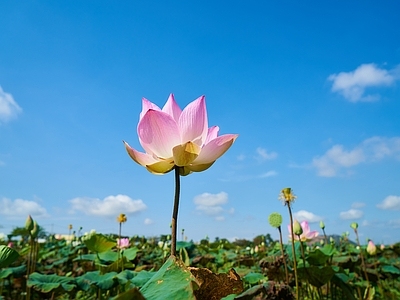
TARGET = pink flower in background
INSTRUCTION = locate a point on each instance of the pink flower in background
(371, 248)
(307, 235)
(174, 137)
(123, 243)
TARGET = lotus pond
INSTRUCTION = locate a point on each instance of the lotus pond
(94, 267)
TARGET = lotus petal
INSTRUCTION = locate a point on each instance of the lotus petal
(185, 154)
(139, 157)
(193, 122)
(158, 133)
(215, 149)
(161, 167)
(172, 108)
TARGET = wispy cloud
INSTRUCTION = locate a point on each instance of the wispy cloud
(263, 154)
(108, 207)
(390, 203)
(358, 205)
(351, 214)
(352, 85)
(211, 204)
(370, 150)
(9, 108)
(268, 174)
(303, 215)
(20, 208)
(148, 221)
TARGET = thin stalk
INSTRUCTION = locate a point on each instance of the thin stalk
(294, 252)
(283, 255)
(118, 244)
(174, 223)
(362, 257)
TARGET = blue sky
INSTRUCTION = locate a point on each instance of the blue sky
(312, 89)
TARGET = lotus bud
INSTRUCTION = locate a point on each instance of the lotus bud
(371, 248)
(70, 226)
(354, 225)
(297, 230)
(275, 219)
(29, 223)
(382, 247)
(332, 240)
(34, 232)
(322, 225)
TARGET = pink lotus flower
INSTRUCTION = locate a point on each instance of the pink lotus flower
(371, 248)
(174, 137)
(123, 243)
(307, 235)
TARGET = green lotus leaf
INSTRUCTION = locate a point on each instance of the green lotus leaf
(130, 253)
(48, 283)
(7, 256)
(172, 281)
(16, 272)
(104, 282)
(132, 294)
(391, 269)
(253, 278)
(99, 243)
(142, 278)
(317, 276)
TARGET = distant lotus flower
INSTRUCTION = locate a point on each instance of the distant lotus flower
(123, 243)
(371, 248)
(307, 235)
(174, 137)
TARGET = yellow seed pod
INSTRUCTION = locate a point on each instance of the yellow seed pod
(121, 218)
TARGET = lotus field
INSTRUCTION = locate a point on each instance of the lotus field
(93, 266)
(310, 265)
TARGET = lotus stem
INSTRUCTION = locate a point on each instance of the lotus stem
(362, 256)
(283, 255)
(174, 223)
(294, 251)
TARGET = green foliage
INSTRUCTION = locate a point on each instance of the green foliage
(144, 271)
(172, 281)
(48, 283)
(99, 243)
(7, 256)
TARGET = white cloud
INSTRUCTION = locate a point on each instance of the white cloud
(208, 199)
(390, 203)
(357, 205)
(303, 215)
(110, 206)
(352, 85)
(351, 214)
(263, 155)
(211, 204)
(148, 221)
(220, 218)
(370, 150)
(268, 174)
(335, 158)
(9, 109)
(210, 210)
(21, 208)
